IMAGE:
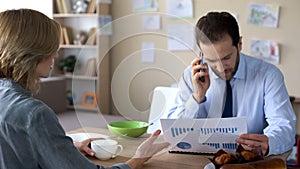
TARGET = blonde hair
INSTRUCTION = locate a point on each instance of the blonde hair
(27, 37)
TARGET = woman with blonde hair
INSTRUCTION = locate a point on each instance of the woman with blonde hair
(30, 133)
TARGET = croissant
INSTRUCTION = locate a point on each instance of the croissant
(241, 156)
(274, 163)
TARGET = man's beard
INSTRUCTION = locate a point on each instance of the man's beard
(231, 70)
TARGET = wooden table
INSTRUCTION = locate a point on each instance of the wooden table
(163, 160)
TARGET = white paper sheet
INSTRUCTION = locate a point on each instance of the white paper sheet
(148, 52)
(203, 135)
(180, 8)
(265, 50)
(181, 37)
(105, 24)
(266, 15)
(144, 5)
(151, 22)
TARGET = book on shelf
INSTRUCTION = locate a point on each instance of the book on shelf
(91, 40)
(67, 35)
(59, 8)
(91, 6)
(63, 6)
(62, 39)
(90, 69)
(66, 6)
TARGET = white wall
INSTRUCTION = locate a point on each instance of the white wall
(148, 75)
(44, 6)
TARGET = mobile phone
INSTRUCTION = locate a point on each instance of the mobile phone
(201, 78)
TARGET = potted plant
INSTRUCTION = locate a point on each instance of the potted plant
(67, 64)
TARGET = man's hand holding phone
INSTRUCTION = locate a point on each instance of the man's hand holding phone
(200, 76)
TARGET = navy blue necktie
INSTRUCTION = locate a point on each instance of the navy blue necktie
(228, 104)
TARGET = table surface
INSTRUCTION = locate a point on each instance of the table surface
(164, 159)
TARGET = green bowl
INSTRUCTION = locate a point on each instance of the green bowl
(128, 128)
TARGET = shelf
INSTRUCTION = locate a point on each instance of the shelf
(80, 77)
(80, 82)
(78, 46)
(80, 107)
(72, 15)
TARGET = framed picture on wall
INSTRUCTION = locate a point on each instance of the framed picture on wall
(89, 100)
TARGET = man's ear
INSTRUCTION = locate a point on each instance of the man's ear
(240, 44)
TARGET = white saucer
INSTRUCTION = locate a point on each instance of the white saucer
(209, 166)
(83, 136)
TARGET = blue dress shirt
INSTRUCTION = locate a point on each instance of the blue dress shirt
(258, 92)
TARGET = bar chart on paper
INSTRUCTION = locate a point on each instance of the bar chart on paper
(203, 135)
(176, 132)
(205, 131)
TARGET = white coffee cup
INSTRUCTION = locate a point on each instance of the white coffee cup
(106, 149)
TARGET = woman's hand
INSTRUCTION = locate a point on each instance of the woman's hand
(146, 150)
(84, 146)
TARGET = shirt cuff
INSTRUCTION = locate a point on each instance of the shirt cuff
(203, 100)
(192, 107)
